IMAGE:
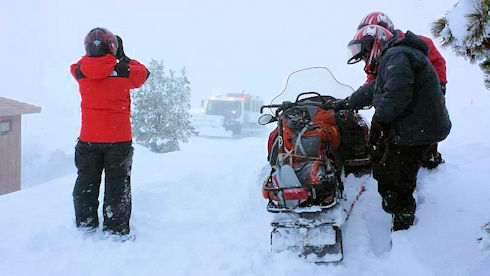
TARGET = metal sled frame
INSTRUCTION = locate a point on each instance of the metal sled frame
(358, 162)
(275, 208)
(321, 252)
(312, 221)
(337, 247)
(281, 205)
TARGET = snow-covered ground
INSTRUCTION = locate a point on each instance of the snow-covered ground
(200, 212)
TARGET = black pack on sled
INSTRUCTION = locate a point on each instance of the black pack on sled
(354, 149)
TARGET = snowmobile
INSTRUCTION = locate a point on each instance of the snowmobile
(309, 159)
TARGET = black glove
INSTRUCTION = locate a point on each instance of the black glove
(120, 55)
(285, 105)
(375, 131)
(341, 104)
(381, 137)
(381, 130)
(443, 88)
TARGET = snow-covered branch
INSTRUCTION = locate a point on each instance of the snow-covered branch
(466, 29)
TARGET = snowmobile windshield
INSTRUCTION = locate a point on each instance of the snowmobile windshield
(314, 79)
(228, 109)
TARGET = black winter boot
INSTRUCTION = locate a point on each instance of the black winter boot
(389, 202)
(402, 221)
(431, 158)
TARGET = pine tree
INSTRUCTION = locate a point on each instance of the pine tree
(466, 29)
(161, 110)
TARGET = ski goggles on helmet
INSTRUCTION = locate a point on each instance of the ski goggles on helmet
(359, 49)
(354, 53)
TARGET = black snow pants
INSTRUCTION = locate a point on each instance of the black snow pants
(116, 160)
(395, 168)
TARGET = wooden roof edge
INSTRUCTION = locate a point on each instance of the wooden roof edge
(33, 109)
(9, 107)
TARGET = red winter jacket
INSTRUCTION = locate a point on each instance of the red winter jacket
(434, 56)
(104, 87)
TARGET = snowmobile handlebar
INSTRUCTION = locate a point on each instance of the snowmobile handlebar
(311, 93)
(285, 105)
(269, 106)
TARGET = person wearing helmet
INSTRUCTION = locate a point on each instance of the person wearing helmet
(409, 107)
(432, 158)
(105, 76)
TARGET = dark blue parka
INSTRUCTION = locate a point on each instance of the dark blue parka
(406, 93)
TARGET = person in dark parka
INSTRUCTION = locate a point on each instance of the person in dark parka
(410, 109)
(432, 157)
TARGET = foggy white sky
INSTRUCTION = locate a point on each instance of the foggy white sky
(224, 45)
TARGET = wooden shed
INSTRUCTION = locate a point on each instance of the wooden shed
(10, 142)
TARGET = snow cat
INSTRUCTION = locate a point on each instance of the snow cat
(228, 115)
(311, 151)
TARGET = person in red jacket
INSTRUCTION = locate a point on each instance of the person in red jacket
(432, 158)
(105, 76)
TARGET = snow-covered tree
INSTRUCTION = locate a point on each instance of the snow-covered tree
(466, 29)
(161, 110)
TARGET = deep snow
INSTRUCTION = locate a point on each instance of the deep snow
(200, 212)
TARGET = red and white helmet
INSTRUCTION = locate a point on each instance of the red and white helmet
(367, 45)
(377, 18)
